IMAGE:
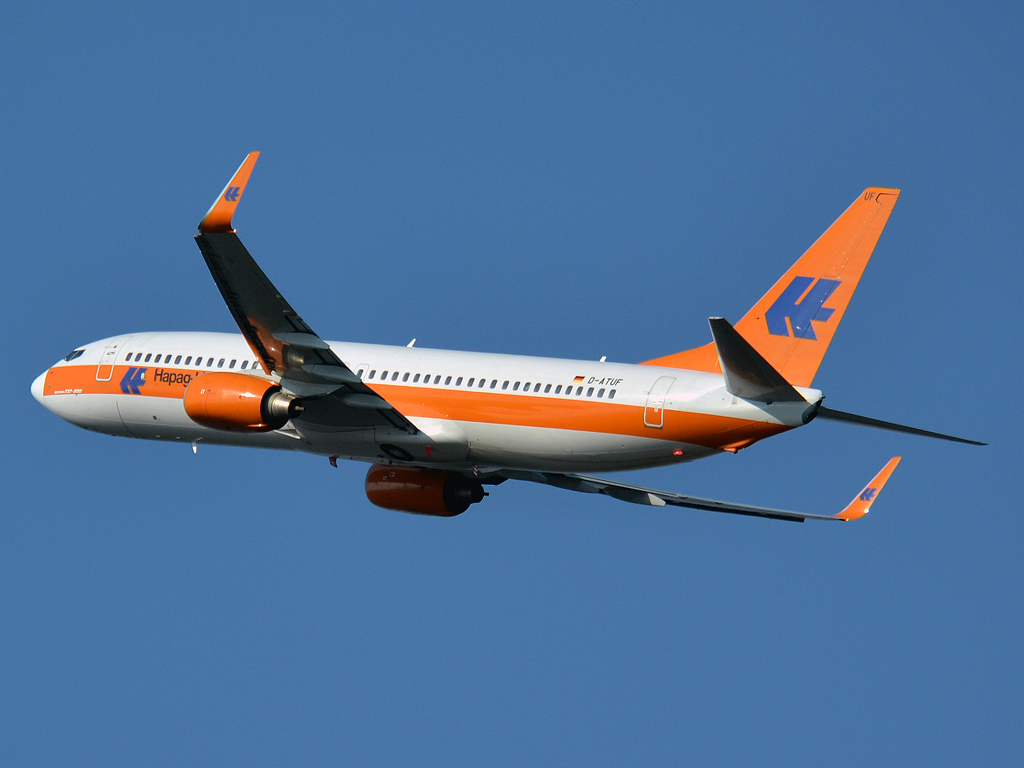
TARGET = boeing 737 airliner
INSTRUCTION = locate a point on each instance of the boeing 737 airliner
(437, 426)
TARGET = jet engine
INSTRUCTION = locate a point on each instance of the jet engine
(236, 402)
(421, 491)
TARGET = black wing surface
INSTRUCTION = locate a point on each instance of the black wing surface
(283, 342)
(635, 494)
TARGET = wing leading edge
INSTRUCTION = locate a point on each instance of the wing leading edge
(635, 494)
(282, 340)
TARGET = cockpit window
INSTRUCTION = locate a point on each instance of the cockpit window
(74, 355)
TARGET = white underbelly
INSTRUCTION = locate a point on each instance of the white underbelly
(548, 449)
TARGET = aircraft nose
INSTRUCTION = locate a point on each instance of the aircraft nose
(37, 386)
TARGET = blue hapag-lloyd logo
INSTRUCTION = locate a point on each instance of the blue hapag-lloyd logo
(133, 379)
(801, 309)
(869, 494)
(231, 194)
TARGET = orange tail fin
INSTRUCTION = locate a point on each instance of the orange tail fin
(791, 326)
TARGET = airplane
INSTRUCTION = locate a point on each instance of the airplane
(438, 426)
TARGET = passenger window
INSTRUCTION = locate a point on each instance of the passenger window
(579, 391)
(504, 385)
(69, 357)
(482, 382)
(547, 388)
(415, 379)
(590, 391)
(148, 357)
(209, 363)
(394, 376)
(611, 394)
(177, 359)
(494, 383)
(188, 359)
(447, 380)
(384, 376)
(515, 387)
(470, 382)
(360, 372)
(245, 364)
(558, 389)
(600, 393)
(156, 359)
(232, 363)
(373, 373)
(406, 377)
(220, 364)
(536, 387)
(437, 379)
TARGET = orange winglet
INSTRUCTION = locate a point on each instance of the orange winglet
(861, 505)
(218, 218)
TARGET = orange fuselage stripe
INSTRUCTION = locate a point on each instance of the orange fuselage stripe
(570, 413)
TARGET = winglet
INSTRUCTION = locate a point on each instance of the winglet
(861, 505)
(218, 218)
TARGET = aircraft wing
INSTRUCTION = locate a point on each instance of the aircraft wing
(636, 494)
(283, 342)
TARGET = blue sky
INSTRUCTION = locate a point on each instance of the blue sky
(532, 179)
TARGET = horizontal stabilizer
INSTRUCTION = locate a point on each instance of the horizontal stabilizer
(747, 373)
(864, 421)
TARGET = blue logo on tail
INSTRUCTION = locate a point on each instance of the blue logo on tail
(801, 312)
(133, 379)
(869, 494)
(231, 194)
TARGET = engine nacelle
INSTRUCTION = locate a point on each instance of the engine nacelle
(421, 491)
(236, 402)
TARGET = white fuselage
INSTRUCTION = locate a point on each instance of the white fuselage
(473, 410)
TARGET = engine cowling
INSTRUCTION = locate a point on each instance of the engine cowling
(421, 491)
(236, 402)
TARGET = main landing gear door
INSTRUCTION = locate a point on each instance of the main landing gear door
(654, 411)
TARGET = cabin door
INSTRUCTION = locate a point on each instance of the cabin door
(654, 411)
(105, 370)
